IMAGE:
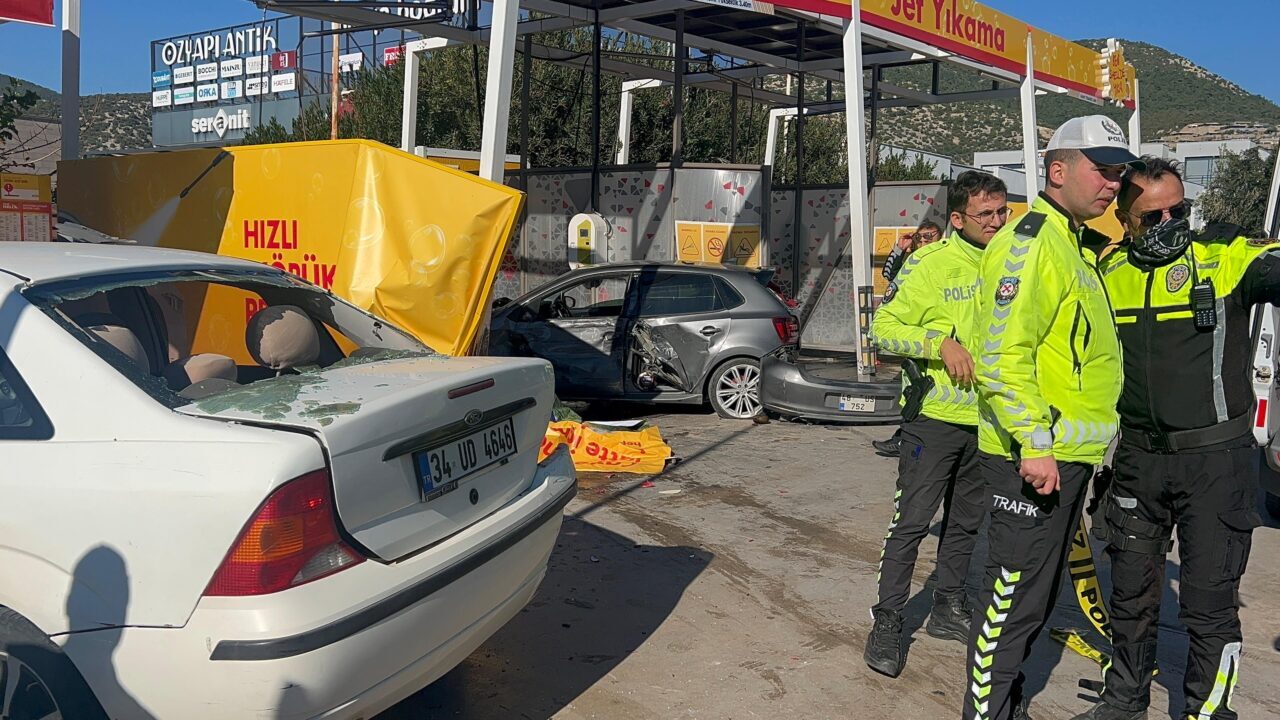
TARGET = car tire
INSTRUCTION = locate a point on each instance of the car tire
(734, 389)
(1273, 505)
(48, 682)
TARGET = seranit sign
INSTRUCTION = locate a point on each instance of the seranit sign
(220, 122)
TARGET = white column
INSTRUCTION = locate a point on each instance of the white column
(624, 126)
(1030, 135)
(859, 211)
(1271, 227)
(409, 114)
(1135, 122)
(70, 79)
(776, 117)
(497, 95)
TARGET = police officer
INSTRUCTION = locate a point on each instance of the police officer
(1186, 456)
(927, 233)
(1048, 369)
(926, 315)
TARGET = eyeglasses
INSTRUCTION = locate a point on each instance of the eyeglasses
(1152, 218)
(986, 217)
(927, 237)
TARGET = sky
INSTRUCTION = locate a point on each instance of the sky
(1236, 39)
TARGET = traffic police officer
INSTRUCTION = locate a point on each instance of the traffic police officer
(927, 314)
(1186, 457)
(1048, 368)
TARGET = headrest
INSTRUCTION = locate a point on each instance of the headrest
(282, 337)
(186, 371)
(122, 339)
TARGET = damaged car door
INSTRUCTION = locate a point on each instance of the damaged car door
(681, 322)
(576, 328)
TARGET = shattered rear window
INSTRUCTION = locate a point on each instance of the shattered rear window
(197, 335)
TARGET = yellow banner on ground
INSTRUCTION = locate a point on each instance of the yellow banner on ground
(595, 450)
(409, 240)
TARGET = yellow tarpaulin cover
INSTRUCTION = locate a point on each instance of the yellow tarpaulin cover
(593, 450)
(409, 240)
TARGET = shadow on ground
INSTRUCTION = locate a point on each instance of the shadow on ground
(603, 596)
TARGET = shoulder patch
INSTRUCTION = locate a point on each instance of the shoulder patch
(1030, 224)
(1176, 277)
(1261, 242)
(1007, 290)
(889, 293)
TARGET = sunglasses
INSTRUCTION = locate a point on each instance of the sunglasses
(1151, 218)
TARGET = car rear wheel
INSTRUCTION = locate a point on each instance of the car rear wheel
(38, 679)
(735, 389)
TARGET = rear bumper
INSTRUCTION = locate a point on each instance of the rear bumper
(786, 389)
(352, 644)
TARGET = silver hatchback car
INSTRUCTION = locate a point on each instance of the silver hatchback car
(652, 332)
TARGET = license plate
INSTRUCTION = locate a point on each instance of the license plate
(441, 468)
(849, 403)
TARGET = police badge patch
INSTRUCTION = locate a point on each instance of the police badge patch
(889, 293)
(1007, 290)
(1261, 242)
(1177, 277)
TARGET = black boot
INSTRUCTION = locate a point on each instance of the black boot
(949, 619)
(884, 645)
(890, 447)
(1020, 710)
(1103, 711)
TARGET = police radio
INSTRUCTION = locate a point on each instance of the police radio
(1204, 305)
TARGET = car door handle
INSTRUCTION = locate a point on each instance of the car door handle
(710, 330)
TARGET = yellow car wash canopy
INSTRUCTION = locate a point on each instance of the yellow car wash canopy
(407, 239)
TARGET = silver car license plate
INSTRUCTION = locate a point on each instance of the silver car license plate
(851, 403)
(441, 468)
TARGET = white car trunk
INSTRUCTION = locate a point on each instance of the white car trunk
(419, 448)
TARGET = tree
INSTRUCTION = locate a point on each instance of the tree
(13, 103)
(1238, 192)
(894, 166)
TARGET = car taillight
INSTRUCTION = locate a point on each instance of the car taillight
(292, 539)
(788, 329)
(1261, 420)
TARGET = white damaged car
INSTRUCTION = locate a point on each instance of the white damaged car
(315, 516)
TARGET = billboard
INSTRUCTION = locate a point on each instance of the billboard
(36, 12)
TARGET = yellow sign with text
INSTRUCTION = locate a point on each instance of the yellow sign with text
(718, 243)
(975, 31)
(409, 240)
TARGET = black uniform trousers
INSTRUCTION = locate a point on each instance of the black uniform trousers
(1210, 496)
(937, 463)
(1030, 538)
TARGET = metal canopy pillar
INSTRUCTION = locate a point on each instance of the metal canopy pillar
(1272, 222)
(1135, 123)
(859, 199)
(1030, 135)
(797, 227)
(412, 66)
(497, 96)
(595, 108)
(70, 79)
(677, 99)
(409, 109)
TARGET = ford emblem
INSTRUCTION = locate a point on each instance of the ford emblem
(473, 418)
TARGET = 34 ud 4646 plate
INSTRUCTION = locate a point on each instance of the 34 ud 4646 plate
(441, 468)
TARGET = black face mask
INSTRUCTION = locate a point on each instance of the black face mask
(1161, 244)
